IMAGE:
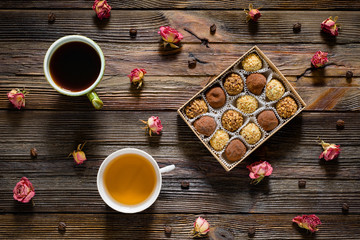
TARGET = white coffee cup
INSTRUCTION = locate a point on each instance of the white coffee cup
(93, 97)
(130, 208)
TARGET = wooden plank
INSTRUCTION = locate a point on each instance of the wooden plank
(187, 4)
(274, 27)
(151, 226)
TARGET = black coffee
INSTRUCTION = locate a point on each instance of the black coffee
(75, 66)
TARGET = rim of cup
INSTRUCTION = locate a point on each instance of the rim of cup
(61, 41)
(123, 207)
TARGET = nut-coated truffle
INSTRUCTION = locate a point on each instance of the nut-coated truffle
(255, 83)
(286, 107)
(195, 108)
(231, 120)
(247, 104)
(251, 133)
(216, 97)
(267, 120)
(233, 84)
(252, 63)
(205, 125)
(219, 140)
(235, 150)
(274, 90)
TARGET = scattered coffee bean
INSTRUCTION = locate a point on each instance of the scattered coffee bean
(133, 32)
(345, 208)
(340, 124)
(349, 74)
(192, 63)
(185, 185)
(213, 29)
(297, 27)
(167, 230)
(302, 183)
(62, 226)
(251, 231)
(33, 153)
(51, 18)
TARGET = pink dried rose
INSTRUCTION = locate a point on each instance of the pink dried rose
(24, 190)
(102, 9)
(331, 151)
(252, 14)
(201, 227)
(258, 170)
(153, 125)
(17, 98)
(319, 59)
(329, 26)
(170, 36)
(78, 155)
(137, 76)
(309, 222)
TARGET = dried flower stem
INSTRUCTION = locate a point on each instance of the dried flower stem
(204, 41)
(312, 68)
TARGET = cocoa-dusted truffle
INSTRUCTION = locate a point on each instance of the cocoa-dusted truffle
(286, 107)
(274, 90)
(205, 125)
(231, 120)
(195, 108)
(251, 133)
(219, 140)
(247, 103)
(233, 84)
(252, 63)
(216, 97)
(267, 120)
(235, 150)
(255, 83)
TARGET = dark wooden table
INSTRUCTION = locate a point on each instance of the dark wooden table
(55, 124)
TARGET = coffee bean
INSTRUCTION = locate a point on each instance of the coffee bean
(302, 183)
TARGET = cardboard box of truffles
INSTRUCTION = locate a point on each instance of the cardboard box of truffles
(241, 108)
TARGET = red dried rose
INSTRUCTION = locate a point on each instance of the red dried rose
(17, 98)
(102, 9)
(252, 14)
(258, 170)
(170, 36)
(137, 76)
(78, 155)
(319, 59)
(153, 125)
(331, 151)
(309, 222)
(329, 26)
(24, 190)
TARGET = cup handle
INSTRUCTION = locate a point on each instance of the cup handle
(167, 169)
(95, 100)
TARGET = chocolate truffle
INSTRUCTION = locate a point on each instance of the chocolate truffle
(274, 90)
(216, 97)
(255, 83)
(286, 107)
(235, 150)
(205, 125)
(247, 103)
(252, 62)
(251, 133)
(267, 120)
(219, 140)
(195, 108)
(231, 120)
(233, 84)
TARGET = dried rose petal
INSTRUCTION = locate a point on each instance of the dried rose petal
(309, 222)
(170, 36)
(153, 125)
(329, 26)
(201, 227)
(331, 151)
(102, 9)
(17, 98)
(258, 170)
(252, 14)
(78, 155)
(319, 59)
(24, 190)
(137, 76)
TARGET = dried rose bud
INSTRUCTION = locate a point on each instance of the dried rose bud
(340, 124)
(213, 29)
(349, 74)
(252, 14)
(309, 222)
(297, 27)
(170, 36)
(133, 33)
(24, 190)
(17, 98)
(192, 63)
(62, 227)
(153, 125)
(319, 59)
(259, 170)
(78, 155)
(51, 18)
(137, 76)
(329, 26)
(201, 227)
(102, 9)
(331, 151)
(167, 230)
(33, 153)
